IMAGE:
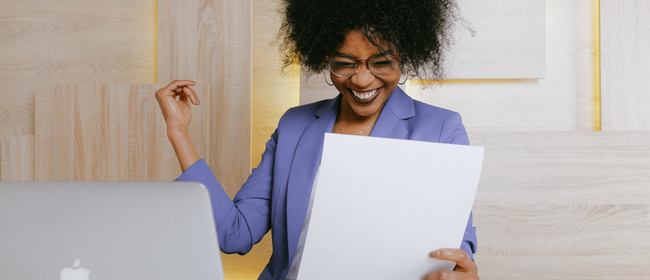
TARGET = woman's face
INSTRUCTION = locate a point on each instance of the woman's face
(364, 94)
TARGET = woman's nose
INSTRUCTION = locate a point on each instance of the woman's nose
(362, 78)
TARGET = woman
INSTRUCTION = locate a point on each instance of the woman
(366, 47)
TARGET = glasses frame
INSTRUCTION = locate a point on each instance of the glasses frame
(356, 66)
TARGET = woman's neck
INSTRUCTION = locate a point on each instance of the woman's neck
(348, 122)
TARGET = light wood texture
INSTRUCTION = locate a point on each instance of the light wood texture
(509, 42)
(16, 108)
(563, 205)
(17, 158)
(224, 62)
(562, 101)
(108, 133)
(178, 36)
(315, 88)
(71, 41)
(625, 41)
(273, 91)
(565, 167)
(85, 43)
(562, 268)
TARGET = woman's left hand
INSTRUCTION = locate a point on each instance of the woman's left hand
(465, 268)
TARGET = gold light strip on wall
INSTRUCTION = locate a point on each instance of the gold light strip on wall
(273, 95)
(596, 65)
(155, 42)
(465, 81)
(273, 92)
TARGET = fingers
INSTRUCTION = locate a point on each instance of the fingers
(460, 257)
(189, 92)
(444, 275)
(179, 83)
(179, 88)
(465, 268)
(174, 103)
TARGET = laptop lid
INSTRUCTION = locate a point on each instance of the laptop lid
(102, 230)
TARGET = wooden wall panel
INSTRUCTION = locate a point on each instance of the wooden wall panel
(209, 41)
(177, 40)
(54, 138)
(274, 92)
(508, 43)
(108, 133)
(45, 42)
(625, 41)
(315, 88)
(561, 268)
(17, 158)
(565, 167)
(224, 62)
(16, 108)
(546, 198)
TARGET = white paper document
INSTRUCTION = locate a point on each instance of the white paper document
(381, 205)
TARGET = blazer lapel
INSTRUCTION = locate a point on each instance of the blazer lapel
(398, 107)
(305, 164)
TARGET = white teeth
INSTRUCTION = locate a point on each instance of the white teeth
(364, 95)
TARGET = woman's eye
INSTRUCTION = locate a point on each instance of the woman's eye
(343, 64)
(382, 63)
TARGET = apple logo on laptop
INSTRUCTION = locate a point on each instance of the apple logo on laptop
(76, 273)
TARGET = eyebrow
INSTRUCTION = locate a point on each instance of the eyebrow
(351, 56)
(344, 55)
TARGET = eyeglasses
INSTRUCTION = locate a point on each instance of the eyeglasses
(345, 65)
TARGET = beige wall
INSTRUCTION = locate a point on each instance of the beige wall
(625, 65)
(77, 80)
(557, 200)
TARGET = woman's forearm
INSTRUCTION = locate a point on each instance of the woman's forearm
(174, 100)
(184, 149)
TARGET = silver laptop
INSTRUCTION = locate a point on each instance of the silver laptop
(90, 230)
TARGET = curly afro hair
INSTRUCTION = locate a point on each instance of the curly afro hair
(419, 30)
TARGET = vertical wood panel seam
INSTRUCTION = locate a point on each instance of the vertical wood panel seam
(156, 16)
(2, 157)
(597, 115)
(250, 92)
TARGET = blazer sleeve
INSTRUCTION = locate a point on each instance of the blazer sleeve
(243, 221)
(453, 132)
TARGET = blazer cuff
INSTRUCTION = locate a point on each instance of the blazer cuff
(201, 172)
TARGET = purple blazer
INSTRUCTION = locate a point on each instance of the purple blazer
(276, 194)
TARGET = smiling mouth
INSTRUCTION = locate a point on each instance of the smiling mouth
(365, 95)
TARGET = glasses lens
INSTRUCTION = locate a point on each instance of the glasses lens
(343, 66)
(382, 66)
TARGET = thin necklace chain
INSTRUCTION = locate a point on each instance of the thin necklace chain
(341, 130)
